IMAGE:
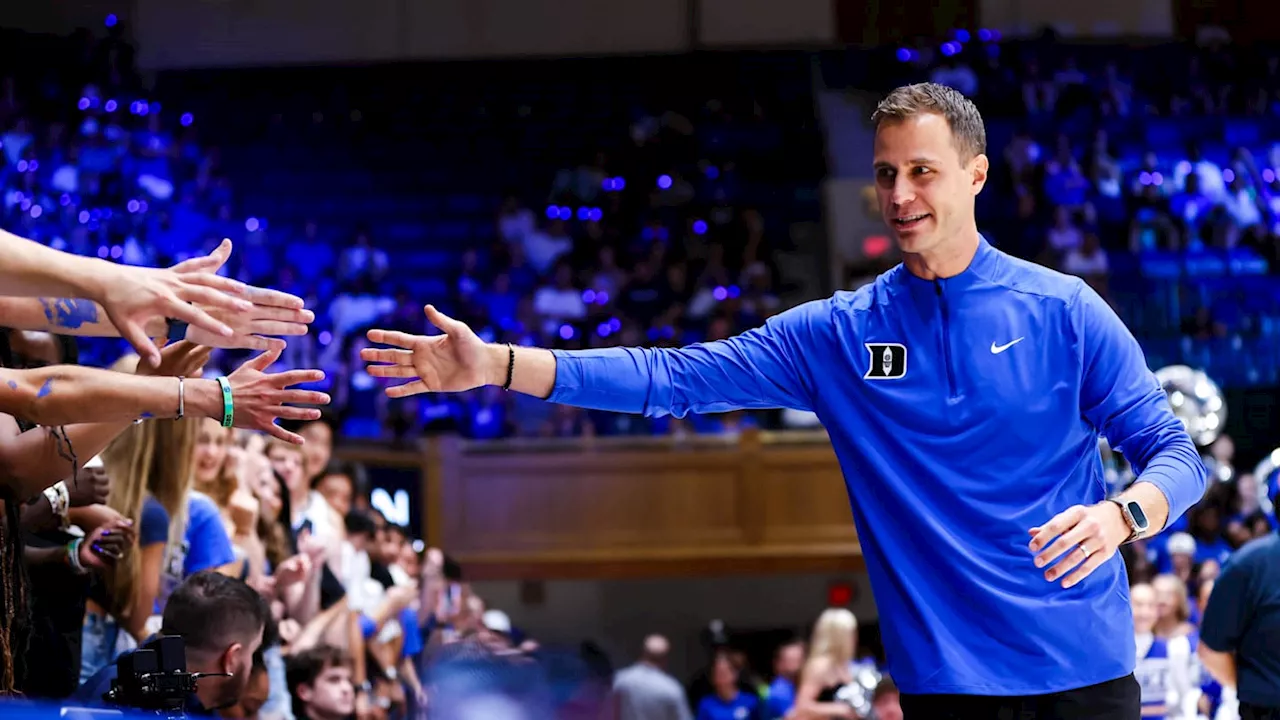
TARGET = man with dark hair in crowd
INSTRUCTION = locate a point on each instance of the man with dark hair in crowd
(222, 621)
(339, 484)
(320, 682)
(788, 659)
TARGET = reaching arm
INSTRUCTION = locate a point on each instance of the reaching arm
(64, 394)
(761, 368)
(28, 268)
(134, 300)
(1120, 397)
(64, 316)
(271, 313)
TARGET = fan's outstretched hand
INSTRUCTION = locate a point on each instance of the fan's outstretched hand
(452, 362)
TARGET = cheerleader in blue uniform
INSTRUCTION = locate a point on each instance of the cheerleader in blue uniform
(1163, 664)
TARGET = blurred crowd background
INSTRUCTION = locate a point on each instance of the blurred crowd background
(590, 202)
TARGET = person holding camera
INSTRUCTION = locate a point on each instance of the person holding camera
(221, 620)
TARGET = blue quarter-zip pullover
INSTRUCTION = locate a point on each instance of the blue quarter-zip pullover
(964, 411)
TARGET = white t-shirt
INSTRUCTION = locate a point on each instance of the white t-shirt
(559, 303)
(1065, 239)
(515, 226)
(1077, 263)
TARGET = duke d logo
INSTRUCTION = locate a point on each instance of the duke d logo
(888, 361)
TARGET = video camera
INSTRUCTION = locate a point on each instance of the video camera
(154, 678)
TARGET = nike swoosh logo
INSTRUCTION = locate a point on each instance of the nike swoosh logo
(997, 349)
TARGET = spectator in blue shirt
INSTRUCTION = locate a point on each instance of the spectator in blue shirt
(787, 661)
(728, 701)
(971, 456)
(1240, 633)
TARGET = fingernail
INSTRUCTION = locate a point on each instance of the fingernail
(1039, 562)
(106, 533)
(128, 521)
(96, 548)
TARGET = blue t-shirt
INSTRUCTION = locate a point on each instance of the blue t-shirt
(1243, 617)
(205, 546)
(782, 695)
(153, 525)
(741, 707)
(412, 633)
(971, 405)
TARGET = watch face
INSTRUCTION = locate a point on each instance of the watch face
(1139, 517)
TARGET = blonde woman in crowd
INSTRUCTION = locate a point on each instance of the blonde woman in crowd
(149, 486)
(1164, 665)
(828, 668)
(1173, 606)
(217, 466)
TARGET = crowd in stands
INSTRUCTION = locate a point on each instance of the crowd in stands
(647, 243)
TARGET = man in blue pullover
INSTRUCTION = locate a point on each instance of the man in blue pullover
(964, 392)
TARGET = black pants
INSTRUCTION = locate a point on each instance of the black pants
(1256, 712)
(1113, 700)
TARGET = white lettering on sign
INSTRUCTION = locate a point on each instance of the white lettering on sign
(395, 510)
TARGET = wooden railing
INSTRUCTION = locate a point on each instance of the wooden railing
(761, 502)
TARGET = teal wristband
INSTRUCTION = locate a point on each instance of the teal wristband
(228, 407)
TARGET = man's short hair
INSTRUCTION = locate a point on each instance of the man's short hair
(961, 114)
(211, 611)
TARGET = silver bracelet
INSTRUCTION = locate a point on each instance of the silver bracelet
(182, 397)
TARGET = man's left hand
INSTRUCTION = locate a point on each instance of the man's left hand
(1080, 537)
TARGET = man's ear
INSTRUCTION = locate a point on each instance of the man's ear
(980, 166)
(228, 663)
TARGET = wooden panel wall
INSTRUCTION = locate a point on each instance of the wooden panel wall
(609, 508)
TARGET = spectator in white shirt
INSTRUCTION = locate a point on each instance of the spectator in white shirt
(1065, 235)
(1210, 182)
(515, 221)
(559, 301)
(542, 248)
(1089, 262)
(1242, 206)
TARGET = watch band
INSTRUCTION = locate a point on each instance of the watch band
(176, 330)
(1134, 531)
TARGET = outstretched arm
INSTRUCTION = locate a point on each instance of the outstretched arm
(131, 298)
(34, 460)
(64, 394)
(761, 368)
(271, 313)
